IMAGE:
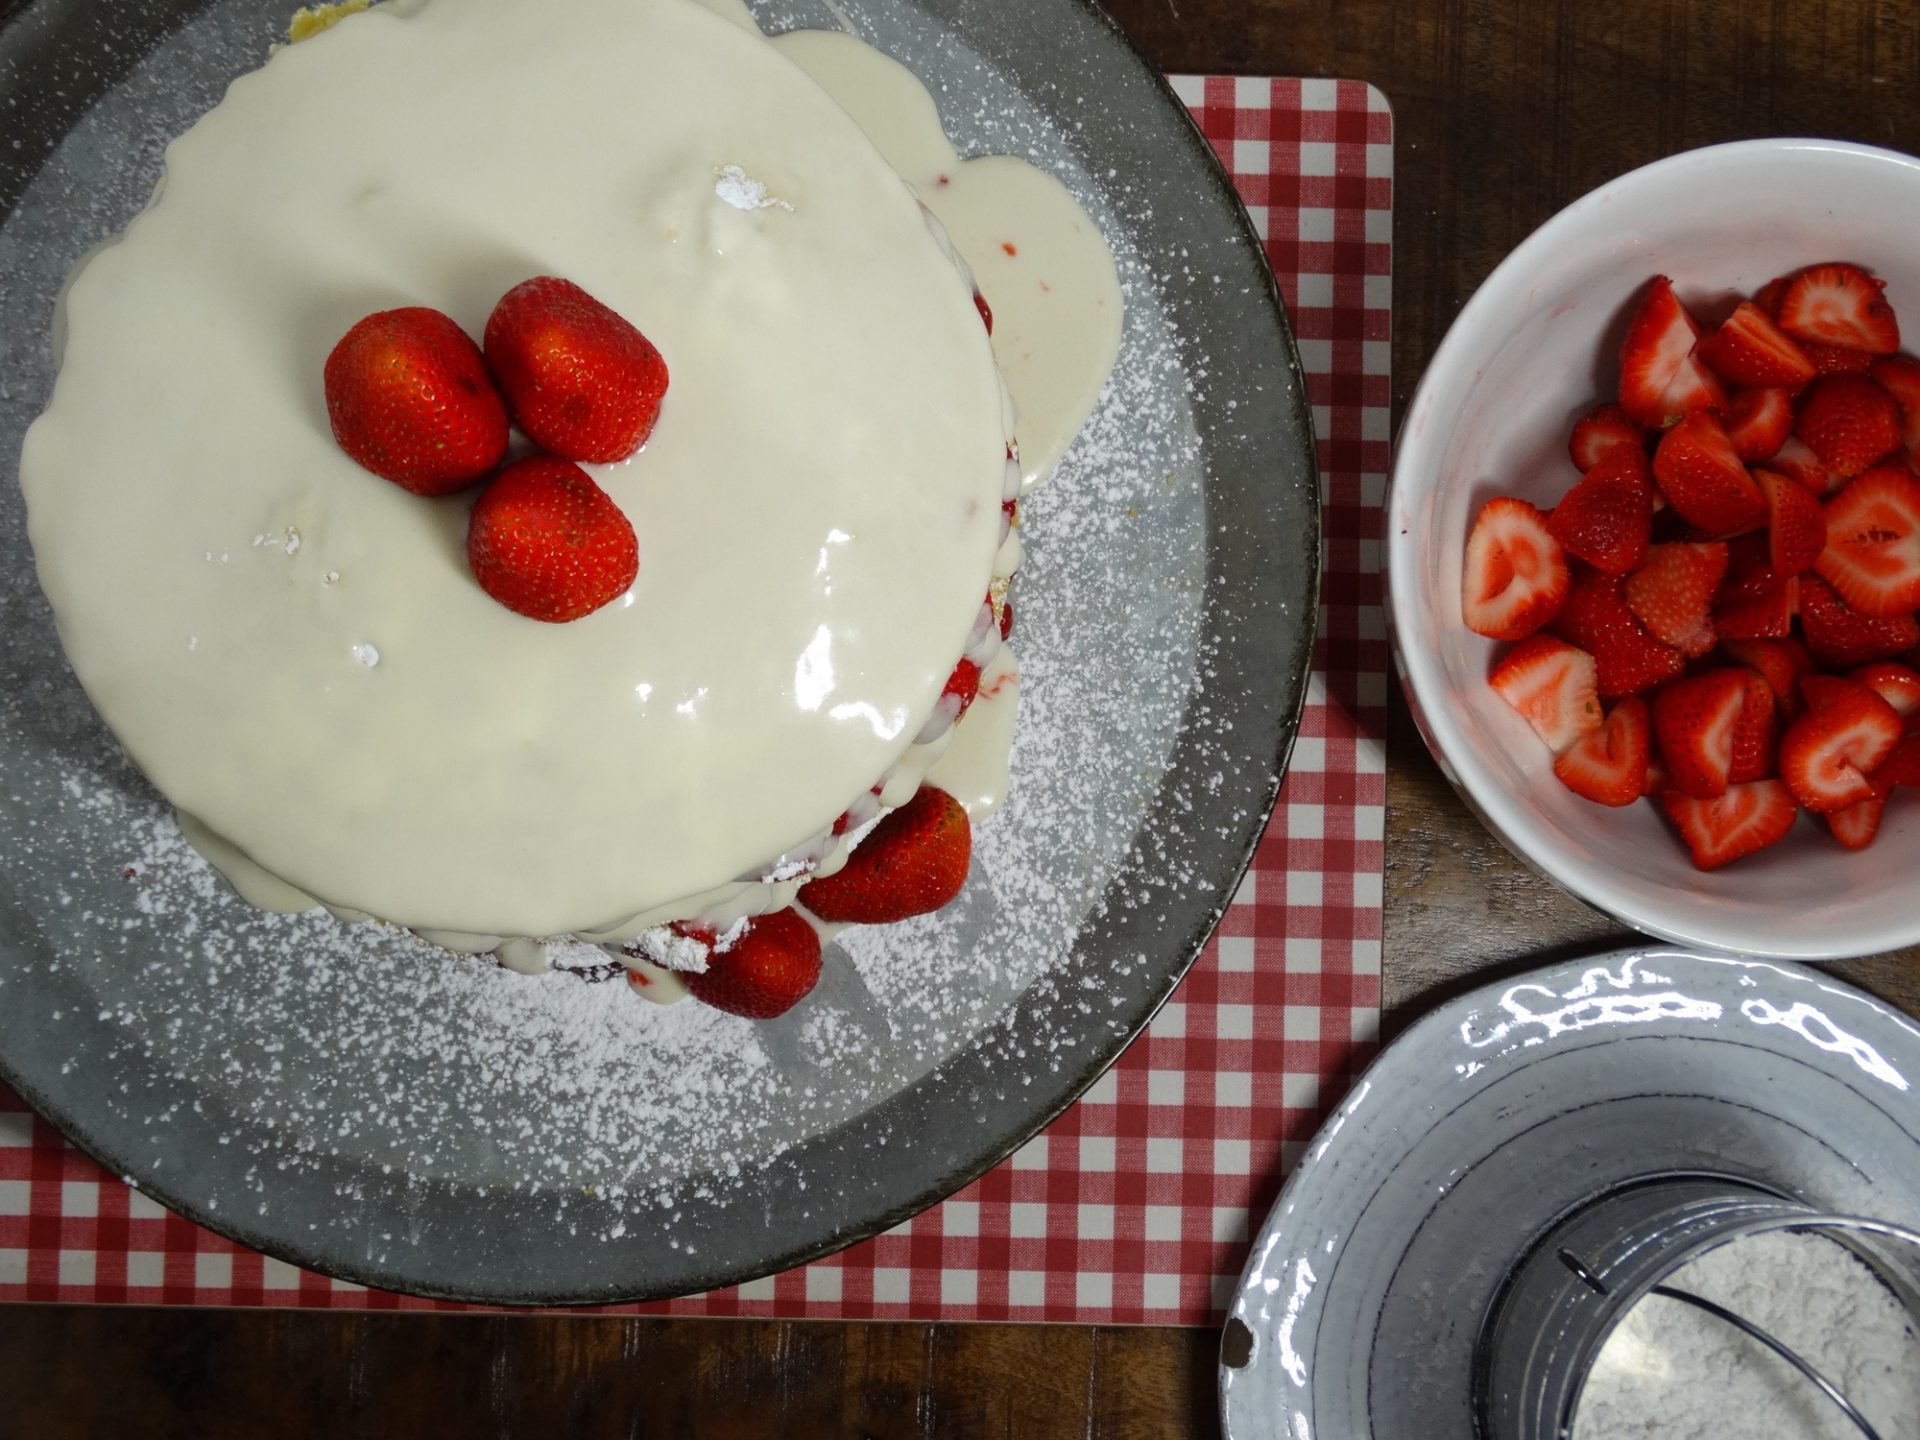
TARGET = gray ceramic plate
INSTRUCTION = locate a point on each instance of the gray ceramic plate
(1501, 1112)
(343, 1099)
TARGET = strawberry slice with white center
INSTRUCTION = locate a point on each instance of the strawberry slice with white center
(1745, 819)
(1609, 765)
(1855, 825)
(1758, 423)
(1600, 432)
(1694, 720)
(1896, 684)
(1827, 754)
(1796, 526)
(1704, 480)
(1516, 575)
(1553, 686)
(1837, 634)
(1899, 376)
(1842, 306)
(1673, 591)
(1872, 553)
(1749, 349)
(1659, 378)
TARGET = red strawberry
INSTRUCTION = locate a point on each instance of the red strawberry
(545, 541)
(1800, 465)
(1758, 422)
(1896, 684)
(1659, 378)
(1006, 619)
(1750, 350)
(1796, 526)
(581, 380)
(1839, 635)
(1694, 720)
(1767, 297)
(1704, 479)
(1832, 360)
(1872, 554)
(409, 398)
(1840, 305)
(1609, 765)
(913, 862)
(1855, 825)
(1849, 422)
(1753, 603)
(1606, 518)
(1672, 591)
(1745, 819)
(1656, 777)
(1599, 433)
(1626, 659)
(1899, 376)
(1781, 662)
(764, 970)
(1552, 685)
(1827, 754)
(964, 684)
(1515, 576)
(1754, 735)
(1902, 765)
(986, 310)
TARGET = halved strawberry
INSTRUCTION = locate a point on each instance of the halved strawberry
(1832, 360)
(1673, 590)
(1626, 658)
(1799, 464)
(1601, 431)
(1837, 634)
(1767, 615)
(1849, 422)
(1827, 754)
(1899, 376)
(1516, 575)
(1758, 422)
(1704, 479)
(1896, 684)
(1796, 526)
(1745, 819)
(1840, 305)
(1656, 777)
(1902, 765)
(1749, 349)
(1607, 517)
(1694, 720)
(1609, 765)
(1781, 662)
(1659, 378)
(1755, 736)
(1855, 825)
(1872, 552)
(1552, 684)
(1767, 297)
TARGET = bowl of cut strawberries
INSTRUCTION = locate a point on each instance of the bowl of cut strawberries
(1654, 549)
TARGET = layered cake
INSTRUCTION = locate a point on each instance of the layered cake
(300, 653)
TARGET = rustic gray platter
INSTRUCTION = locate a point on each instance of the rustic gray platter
(343, 1099)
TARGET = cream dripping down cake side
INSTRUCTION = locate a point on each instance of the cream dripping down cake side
(782, 696)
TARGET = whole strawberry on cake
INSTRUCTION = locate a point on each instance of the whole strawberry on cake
(588, 517)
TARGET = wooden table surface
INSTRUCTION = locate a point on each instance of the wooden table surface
(1505, 111)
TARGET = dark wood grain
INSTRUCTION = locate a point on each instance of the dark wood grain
(1505, 111)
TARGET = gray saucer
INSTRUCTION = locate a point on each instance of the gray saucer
(1504, 1111)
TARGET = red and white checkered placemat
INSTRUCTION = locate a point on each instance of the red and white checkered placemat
(1135, 1205)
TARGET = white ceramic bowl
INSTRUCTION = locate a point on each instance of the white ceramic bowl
(1536, 347)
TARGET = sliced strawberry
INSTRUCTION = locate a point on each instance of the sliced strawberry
(1796, 526)
(1755, 735)
(1659, 378)
(1799, 464)
(1896, 684)
(1607, 517)
(1902, 765)
(1899, 376)
(1626, 658)
(1767, 615)
(1745, 819)
(1601, 431)
(1656, 777)
(1849, 422)
(1832, 360)
(1750, 350)
(1694, 720)
(1673, 590)
(1842, 306)
(1855, 825)
(1820, 691)
(1758, 422)
(1872, 553)
(1553, 685)
(1827, 754)
(1767, 297)
(1781, 662)
(1516, 575)
(1704, 479)
(1609, 765)
(1837, 634)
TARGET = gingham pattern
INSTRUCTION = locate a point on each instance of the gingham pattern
(1135, 1204)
